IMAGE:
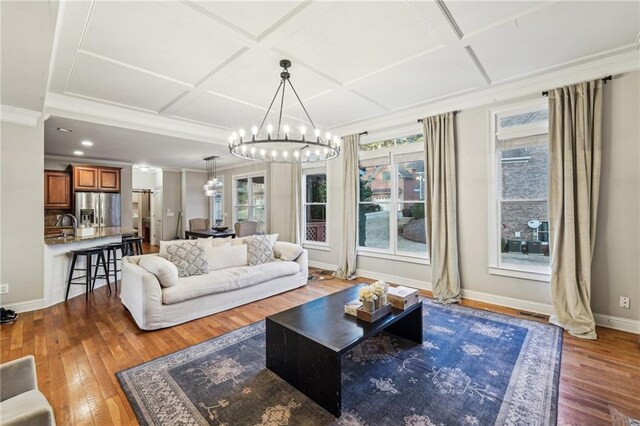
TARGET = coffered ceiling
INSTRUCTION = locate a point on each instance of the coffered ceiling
(216, 63)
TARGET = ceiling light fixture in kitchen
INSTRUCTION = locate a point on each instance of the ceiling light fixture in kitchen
(213, 183)
(77, 152)
(62, 129)
(87, 143)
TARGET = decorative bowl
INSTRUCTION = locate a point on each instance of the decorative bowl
(220, 228)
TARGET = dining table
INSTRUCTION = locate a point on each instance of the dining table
(206, 233)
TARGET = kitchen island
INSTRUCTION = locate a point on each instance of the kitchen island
(57, 261)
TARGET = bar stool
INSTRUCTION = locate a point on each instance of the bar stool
(133, 246)
(112, 259)
(89, 278)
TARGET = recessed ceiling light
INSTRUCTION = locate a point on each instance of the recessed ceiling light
(78, 152)
(87, 143)
(144, 169)
(62, 129)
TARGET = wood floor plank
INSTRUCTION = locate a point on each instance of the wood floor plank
(81, 344)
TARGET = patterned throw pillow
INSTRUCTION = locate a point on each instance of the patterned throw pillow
(259, 250)
(189, 257)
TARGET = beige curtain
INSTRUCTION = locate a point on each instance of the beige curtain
(575, 140)
(441, 213)
(296, 203)
(348, 251)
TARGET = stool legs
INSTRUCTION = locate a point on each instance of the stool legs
(100, 262)
(73, 265)
(88, 276)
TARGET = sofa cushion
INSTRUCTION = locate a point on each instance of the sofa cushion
(259, 250)
(226, 280)
(165, 271)
(287, 251)
(226, 256)
(188, 256)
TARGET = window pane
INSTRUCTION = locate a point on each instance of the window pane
(525, 172)
(374, 225)
(412, 236)
(258, 216)
(316, 223)
(525, 119)
(242, 214)
(373, 186)
(217, 209)
(411, 181)
(390, 143)
(525, 233)
(257, 191)
(316, 188)
(242, 192)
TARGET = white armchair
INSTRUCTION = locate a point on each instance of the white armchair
(21, 403)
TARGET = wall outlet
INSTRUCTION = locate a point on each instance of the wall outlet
(4, 288)
(624, 302)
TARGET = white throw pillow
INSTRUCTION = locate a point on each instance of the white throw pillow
(226, 256)
(287, 251)
(220, 242)
(165, 271)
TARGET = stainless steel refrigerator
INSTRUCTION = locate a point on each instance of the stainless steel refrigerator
(98, 209)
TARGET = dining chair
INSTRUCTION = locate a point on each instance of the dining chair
(246, 228)
(198, 224)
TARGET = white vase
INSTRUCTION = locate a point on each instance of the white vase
(383, 300)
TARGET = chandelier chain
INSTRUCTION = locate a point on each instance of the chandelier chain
(270, 105)
(302, 105)
(284, 86)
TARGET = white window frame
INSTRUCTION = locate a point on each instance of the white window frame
(234, 206)
(389, 154)
(495, 266)
(314, 169)
(212, 219)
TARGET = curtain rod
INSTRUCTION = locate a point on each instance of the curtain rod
(359, 134)
(604, 81)
(420, 120)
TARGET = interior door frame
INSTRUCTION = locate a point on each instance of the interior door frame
(157, 191)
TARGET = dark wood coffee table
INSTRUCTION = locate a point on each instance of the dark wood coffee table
(304, 344)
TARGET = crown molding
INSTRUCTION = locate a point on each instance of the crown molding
(97, 112)
(83, 160)
(620, 63)
(15, 115)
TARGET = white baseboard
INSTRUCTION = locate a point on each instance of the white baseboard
(394, 279)
(26, 306)
(322, 265)
(608, 321)
(618, 323)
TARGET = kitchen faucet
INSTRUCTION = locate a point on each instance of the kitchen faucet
(75, 222)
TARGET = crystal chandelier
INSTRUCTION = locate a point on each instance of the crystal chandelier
(284, 146)
(213, 183)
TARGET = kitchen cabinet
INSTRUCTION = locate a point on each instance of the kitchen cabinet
(57, 190)
(96, 178)
(109, 179)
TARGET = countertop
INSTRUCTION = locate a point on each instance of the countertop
(99, 233)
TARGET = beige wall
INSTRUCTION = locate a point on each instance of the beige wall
(171, 200)
(194, 203)
(22, 217)
(616, 269)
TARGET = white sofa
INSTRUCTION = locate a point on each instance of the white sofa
(154, 307)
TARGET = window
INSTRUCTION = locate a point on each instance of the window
(250, 200)
(392, 142)
(521, 188)
(314, 199)
(217, 206)
(391, 211)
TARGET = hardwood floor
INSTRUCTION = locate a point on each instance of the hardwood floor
(79, 346)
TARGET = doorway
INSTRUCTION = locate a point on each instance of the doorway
(156, 216)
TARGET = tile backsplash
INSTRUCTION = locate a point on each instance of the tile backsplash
(51, 217)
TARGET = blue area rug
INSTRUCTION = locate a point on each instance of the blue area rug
(474, 368)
